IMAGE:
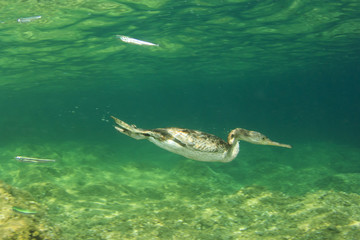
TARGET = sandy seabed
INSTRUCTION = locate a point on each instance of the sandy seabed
(83, 196)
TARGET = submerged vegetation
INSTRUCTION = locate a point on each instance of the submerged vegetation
(83, 196)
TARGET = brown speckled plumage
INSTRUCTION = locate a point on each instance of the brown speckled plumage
(196, 140)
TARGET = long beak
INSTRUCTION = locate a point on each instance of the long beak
(271, 143)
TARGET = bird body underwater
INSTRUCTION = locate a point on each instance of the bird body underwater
(194, 144)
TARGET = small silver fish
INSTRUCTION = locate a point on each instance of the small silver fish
(33, 160)
(24, 211)
(28, 19)
(135, 41)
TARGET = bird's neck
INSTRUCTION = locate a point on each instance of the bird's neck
(232, 152)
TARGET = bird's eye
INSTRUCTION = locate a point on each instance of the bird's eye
(232, 136)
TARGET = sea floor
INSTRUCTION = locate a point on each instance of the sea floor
(100, 192)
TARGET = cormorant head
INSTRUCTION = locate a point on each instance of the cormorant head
(252, 137)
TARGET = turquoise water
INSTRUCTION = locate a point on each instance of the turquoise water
(288, 69)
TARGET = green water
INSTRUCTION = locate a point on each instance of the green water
(288, 69)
